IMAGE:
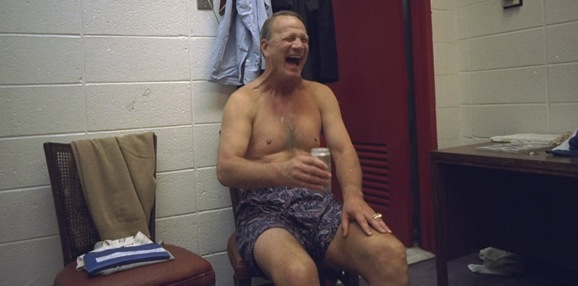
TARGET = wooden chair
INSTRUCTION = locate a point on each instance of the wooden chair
(243, 273)
(78, 235)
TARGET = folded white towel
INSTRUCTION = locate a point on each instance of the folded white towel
(498, 262)
(137, 240)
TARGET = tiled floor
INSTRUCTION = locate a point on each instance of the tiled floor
(424, 274)
(416, 254)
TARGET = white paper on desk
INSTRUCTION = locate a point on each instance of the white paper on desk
(514, 147)
(526, 137)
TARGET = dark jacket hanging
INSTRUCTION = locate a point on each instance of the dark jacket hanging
(321, 65)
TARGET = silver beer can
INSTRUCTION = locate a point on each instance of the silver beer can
(325, 156)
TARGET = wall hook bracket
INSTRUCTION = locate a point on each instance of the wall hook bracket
(507, 4)
(204, 4)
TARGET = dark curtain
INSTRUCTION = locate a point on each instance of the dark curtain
(321, 65)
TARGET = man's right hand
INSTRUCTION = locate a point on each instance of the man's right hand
(306, 171)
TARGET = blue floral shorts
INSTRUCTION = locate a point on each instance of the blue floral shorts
(311, 217)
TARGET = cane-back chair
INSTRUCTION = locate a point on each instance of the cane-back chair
(78, 235)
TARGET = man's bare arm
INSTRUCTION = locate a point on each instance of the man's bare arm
(346, 161)
(232, 167)
(348, 168)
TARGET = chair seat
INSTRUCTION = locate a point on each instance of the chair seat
(241, 268)
(187, 268)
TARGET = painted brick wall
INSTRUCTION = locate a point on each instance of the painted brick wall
(502, 71)
(82, 69)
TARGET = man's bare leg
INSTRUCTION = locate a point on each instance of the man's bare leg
(284, 260)
(380, 258)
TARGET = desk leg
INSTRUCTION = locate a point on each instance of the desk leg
(441, 228)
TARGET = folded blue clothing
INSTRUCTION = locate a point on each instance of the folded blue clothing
(568, 147)
(97, 261)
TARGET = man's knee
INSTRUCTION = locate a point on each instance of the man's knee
(388, 262)
(297, 272)
(387, 249)
(396, 248)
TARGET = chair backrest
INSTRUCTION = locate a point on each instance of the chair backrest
(234, 192)
(78, 233)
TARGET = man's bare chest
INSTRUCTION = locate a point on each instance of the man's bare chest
(276, 132)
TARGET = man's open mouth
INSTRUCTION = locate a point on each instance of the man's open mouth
(293, 60)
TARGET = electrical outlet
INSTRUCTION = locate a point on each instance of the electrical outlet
(512, 3)
(204, 5)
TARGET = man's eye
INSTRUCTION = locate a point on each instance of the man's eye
(294, 38)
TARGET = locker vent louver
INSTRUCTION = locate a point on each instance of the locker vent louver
(374, 164)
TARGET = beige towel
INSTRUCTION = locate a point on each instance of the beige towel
(118, 178)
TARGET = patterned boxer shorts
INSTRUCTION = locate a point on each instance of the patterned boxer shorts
(311, 217)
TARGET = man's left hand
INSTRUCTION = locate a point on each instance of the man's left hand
(356, 209)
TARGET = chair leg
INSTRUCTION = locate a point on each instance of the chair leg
(351, 279)
(242, 282)
(346, 278)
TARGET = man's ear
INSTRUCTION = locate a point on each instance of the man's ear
(264, 46)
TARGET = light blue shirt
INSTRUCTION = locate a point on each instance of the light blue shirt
(236, 58)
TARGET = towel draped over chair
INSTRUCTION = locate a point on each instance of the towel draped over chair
(118, 178)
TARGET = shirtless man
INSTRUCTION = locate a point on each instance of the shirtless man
(286, 224)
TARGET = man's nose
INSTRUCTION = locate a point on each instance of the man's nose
(298, 43)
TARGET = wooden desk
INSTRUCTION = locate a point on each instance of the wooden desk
(526, 204)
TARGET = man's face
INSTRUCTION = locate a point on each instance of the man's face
(287, 49)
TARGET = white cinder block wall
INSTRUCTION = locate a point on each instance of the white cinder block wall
(501, 72)
(81, 69)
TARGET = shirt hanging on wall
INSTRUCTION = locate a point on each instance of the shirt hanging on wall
(322, 64)
(236, 58)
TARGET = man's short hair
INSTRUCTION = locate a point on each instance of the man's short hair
(266, 29)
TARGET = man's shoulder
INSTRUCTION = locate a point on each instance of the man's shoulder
(244, 100)
(309, 85)
(313, 84)
(316, 88)
(243, 93)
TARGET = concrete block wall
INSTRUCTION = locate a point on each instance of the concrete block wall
(83, 69)
(504, 71)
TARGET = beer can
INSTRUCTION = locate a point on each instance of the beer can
(325, 156)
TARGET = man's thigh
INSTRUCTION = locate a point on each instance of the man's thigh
(356, 251)
(275, 247)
